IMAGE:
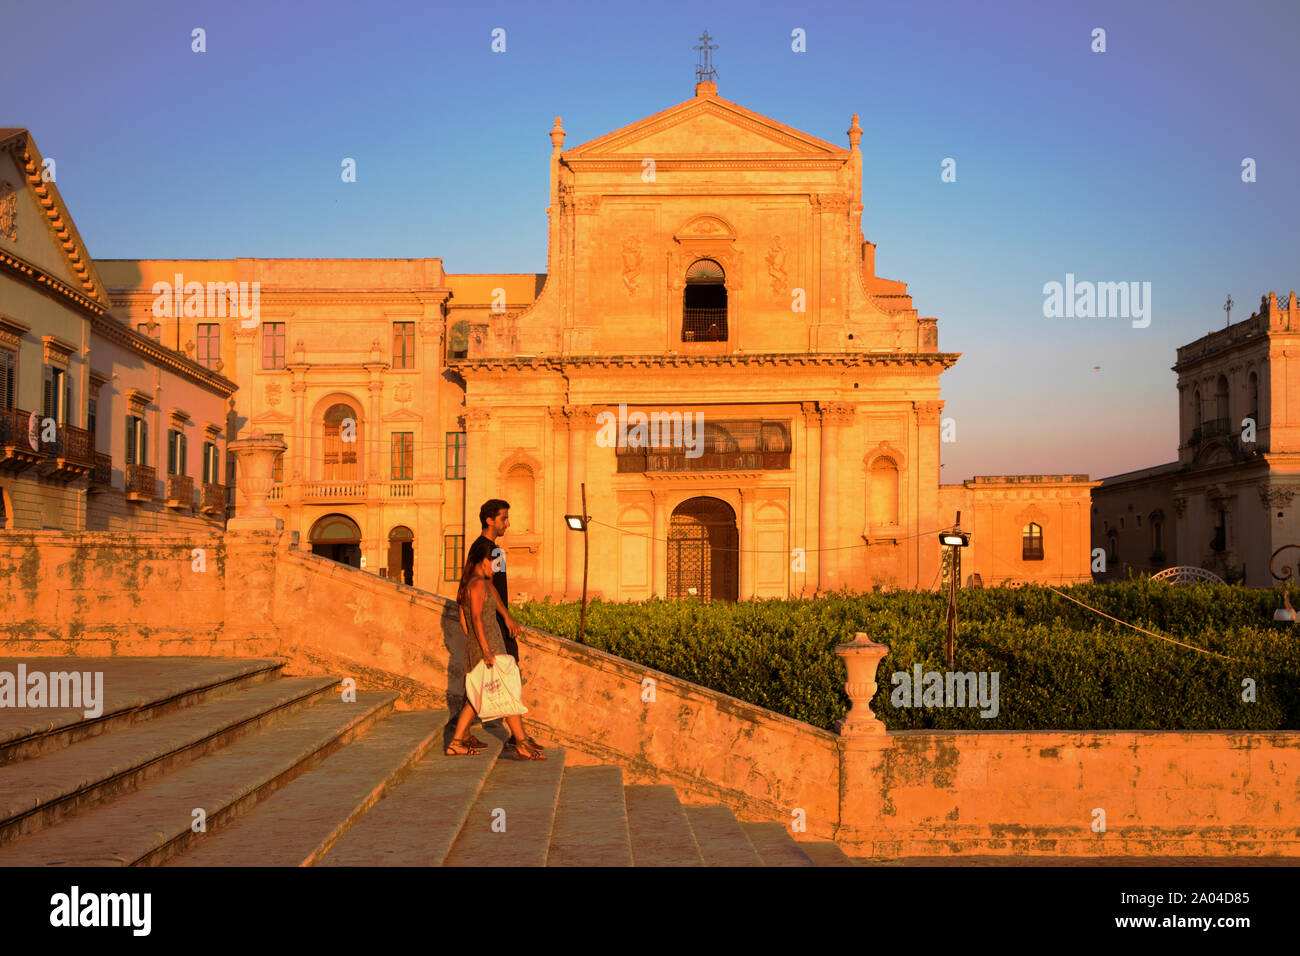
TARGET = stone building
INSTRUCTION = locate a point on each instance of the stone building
(1225, 504)
(101, 428)
(706, 268)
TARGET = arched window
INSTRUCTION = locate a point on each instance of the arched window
(342, 438)
(704, 303)
(519, 492)
(884, 492)
(1221, 400)
(1031, 538)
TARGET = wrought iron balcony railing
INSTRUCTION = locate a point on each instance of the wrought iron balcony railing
(214, 498)
(101, 475)
(704, 325)
(141, 483)
(180, 491)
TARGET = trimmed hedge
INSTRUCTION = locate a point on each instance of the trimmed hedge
(1059, 666)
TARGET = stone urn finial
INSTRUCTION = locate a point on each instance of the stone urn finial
(861, 657)
(255, 457)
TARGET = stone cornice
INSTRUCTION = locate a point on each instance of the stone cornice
(56, 288)
(788, 359)
(687, 162)
(58, 221)
(174, 362)
(271, 298)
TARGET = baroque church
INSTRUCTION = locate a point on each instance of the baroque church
(705, 264)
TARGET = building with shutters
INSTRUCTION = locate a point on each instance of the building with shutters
(101, 428)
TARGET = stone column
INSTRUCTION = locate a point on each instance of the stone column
(478, 469)
(431, 458)
(835, 415)
(659, 568)
(580, 418)
(748, 544)
(806, 458)
(374, 430)
(924, 474)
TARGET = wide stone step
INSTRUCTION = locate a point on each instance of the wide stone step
(827, 854)
(775, 845)
(591, 827)
(153, 824)
(299, 823)
(659, 830)
(37, 793)
(135, 689)
(520, 797)
(721, 838)
(418, 820)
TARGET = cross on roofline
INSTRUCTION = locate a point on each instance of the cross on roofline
(704, 69)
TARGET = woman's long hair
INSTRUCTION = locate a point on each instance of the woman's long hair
(478, 552)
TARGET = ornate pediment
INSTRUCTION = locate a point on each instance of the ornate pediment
(706, 227)
(701, 126)
(403, 415)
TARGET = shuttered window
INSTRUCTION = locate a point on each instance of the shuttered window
(8, 372)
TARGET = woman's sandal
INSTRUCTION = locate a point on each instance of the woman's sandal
(461, 748)
(473, 741)
(525, 752)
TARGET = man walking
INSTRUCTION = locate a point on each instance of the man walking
(494, 517)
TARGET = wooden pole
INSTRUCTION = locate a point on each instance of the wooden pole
(582, 617)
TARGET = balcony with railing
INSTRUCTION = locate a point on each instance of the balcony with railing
(1214, 428)
(180, 491)
(101, 474)
(213, 500)
(70, 455)
(19, 448)
(141, 483)
(704, 325)
(738, 445)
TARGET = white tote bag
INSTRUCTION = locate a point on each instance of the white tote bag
(495, 692)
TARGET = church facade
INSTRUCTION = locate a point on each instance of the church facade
(710, 356)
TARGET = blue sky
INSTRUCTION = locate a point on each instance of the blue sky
(1115, 166)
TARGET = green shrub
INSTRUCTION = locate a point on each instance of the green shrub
(1060, 666)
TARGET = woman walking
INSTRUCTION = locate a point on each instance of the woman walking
(483, 642)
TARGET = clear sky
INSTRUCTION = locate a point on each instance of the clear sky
(1115, 166)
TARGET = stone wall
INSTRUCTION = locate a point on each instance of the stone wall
(893, 794)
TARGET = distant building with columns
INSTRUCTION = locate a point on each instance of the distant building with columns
(705, 264)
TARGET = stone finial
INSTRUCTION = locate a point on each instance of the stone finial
(855, 132)
(861, 657)
(557, 135)
(255, 454)
(706, 88)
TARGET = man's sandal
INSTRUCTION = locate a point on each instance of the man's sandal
(461, 748)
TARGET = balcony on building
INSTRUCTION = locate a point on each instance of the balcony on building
(727, 446)
(180, 491)
(70, 455)
(141, 483)
(213, 501)
(1214, 428)
(19, 450)
(101, 473)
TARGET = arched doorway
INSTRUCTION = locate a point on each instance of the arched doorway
(703, 551)
(401, 555)
(338, 538)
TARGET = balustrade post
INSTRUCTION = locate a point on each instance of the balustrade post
(861, 657)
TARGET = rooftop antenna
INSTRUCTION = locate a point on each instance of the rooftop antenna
(1227, 307)
(704, 69)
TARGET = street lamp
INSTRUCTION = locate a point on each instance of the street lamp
(579, 523)
(955, 540)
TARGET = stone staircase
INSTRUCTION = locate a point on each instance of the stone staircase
(210, 762)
